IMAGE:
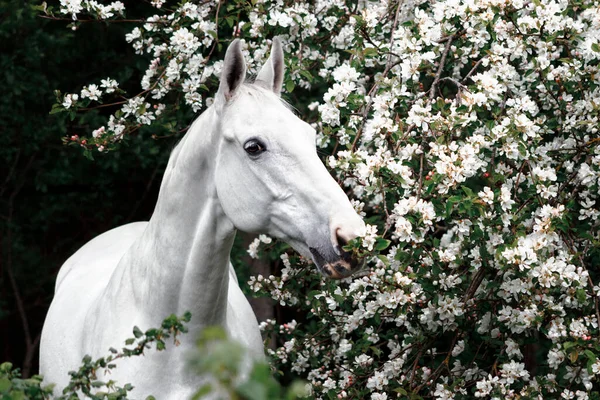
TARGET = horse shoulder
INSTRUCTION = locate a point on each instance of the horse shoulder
(82, 277)
(97, 256)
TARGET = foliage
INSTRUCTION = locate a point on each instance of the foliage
(12, 387)
(85, 379)
(467, 133)
(217, 357)
(223, 359)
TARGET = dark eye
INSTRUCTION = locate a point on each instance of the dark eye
(254, 147)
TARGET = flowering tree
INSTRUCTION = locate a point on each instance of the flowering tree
(467, 132)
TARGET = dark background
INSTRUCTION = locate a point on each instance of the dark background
(53, 199)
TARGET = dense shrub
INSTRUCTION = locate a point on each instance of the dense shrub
(467, 132)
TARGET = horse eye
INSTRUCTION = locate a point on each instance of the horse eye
(254, 147)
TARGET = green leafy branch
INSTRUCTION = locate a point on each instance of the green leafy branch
(85, 379)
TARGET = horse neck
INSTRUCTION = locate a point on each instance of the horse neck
(181, 262)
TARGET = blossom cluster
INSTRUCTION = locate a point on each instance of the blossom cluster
(74, 7)
(467, 134)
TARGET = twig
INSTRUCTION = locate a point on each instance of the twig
(10, 173)
(457, 83)
(451, 37)
(29, 354)
(216, 40)
(401, 140)
(29, 344)
(19, 301)
(477, 64)
(475, 283)
(460, 88)
(420, 175)
(440, 68)
(438, 370)
(53, 18)
(103, 105)
(151, 88)
(414, 367)
(516, 186)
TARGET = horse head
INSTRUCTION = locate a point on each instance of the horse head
(269, 178)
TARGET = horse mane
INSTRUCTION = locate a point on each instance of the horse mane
(257, 90)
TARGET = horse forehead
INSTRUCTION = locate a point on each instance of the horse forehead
(264, 115)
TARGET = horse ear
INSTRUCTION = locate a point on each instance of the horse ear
(234, 70)
(271, 74)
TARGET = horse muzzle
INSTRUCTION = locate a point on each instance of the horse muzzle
(338, 268)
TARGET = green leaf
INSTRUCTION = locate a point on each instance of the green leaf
(382, 244)
(590, 355)
(187, 316)
(574, 356)
(202, 392)
(450, 204)
(212, 333)
(297, 390)
(137, 332)
(5, 385)
(6, 367)
(57, 108)
(42, 7)
(307, 75)
(596, 47)
(581, 295)
(468, 191)
(568, 345)
(151, 332)
(289, 86)
(384, 260)
(253, 390)
(590, 367)
(87, 153)
(17, 396)
(370, 51)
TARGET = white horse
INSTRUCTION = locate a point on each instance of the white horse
(247, 163)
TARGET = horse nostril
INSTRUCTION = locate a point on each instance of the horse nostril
(340, 240)
(342, 237)
(343, 230)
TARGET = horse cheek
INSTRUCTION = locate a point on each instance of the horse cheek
(239, 201)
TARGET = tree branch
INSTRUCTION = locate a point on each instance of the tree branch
(440, 68)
